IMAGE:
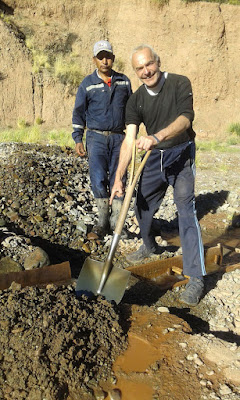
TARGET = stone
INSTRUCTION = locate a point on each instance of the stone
(37, 259)
(163, 309)
(183, 345)
(82, 227)
(2, 222)
(15, 286)
(86, 248)
(115, 394)
(225, 390)
(7, 265)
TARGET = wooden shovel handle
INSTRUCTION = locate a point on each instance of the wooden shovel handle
(128, 196)
(131, 177)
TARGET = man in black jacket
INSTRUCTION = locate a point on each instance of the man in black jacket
(164, 103)
(100, 106)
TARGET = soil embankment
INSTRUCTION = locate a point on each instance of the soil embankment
(200, 40)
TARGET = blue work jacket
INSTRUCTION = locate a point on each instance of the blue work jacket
(100, 107)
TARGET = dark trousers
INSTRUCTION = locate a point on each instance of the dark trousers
(103, 156)
(154, 181)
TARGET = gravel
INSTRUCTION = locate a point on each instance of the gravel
(46, 203)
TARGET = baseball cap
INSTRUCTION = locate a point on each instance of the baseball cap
(102, 45)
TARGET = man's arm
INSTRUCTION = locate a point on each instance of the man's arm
(124, 160)
(79, 120)
(178, 126)
(80, 150)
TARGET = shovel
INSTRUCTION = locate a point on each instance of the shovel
(101, 277)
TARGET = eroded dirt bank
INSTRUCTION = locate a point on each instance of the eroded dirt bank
(199, 39)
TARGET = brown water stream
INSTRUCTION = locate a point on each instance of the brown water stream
(152, 366)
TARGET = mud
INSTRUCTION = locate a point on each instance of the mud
(55, 346)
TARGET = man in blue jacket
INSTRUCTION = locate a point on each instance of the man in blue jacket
(164, 103)
(100, 108)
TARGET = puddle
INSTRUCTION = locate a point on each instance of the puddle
(132, 390)
(139, 355)
(153, 366)
(150, 365)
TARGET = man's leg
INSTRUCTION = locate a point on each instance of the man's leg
(151, 190)
(114, 145)
(102, 228)
(182, 176)
(97, 150)
(98, 170)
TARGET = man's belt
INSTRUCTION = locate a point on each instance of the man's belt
(105, 133)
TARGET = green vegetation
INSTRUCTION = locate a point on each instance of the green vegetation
(60, 63)
(230, 143)
(62, 67)
(38, 121)
(5, 18)
(234, 129)
(221, 147)
(35, 134)
(22, 123)
(68, 72)
(233, 2)
(160, 3)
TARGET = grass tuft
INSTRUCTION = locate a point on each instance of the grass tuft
(21, 123)
(232, 2)
(234, 129)
(68, 72)
(36, 134)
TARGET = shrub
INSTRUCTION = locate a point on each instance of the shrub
(22, 123)
(233, 2)
(40, 59)
(68, 72)
(39, 121)
(36, 134)
(234, 128)
(161, 3)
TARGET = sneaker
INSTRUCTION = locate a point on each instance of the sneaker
(193, 292)
(139, 255)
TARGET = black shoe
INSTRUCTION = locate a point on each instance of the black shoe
(156, 227)
(193, 292)
(139, 255)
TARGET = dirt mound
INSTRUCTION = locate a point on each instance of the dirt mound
(55, 345)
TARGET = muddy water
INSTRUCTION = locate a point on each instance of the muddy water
(150, 368)
(229, 240)
(210, 237)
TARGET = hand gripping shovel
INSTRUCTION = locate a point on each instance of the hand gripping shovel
(101, 277)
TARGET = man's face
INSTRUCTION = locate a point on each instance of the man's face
(104, 62)
(146, 67)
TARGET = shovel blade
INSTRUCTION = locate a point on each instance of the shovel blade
(90, 276)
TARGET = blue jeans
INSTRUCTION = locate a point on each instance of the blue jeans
(152, 188)
(103, 156)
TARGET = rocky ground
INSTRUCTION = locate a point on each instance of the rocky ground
(46, 212)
